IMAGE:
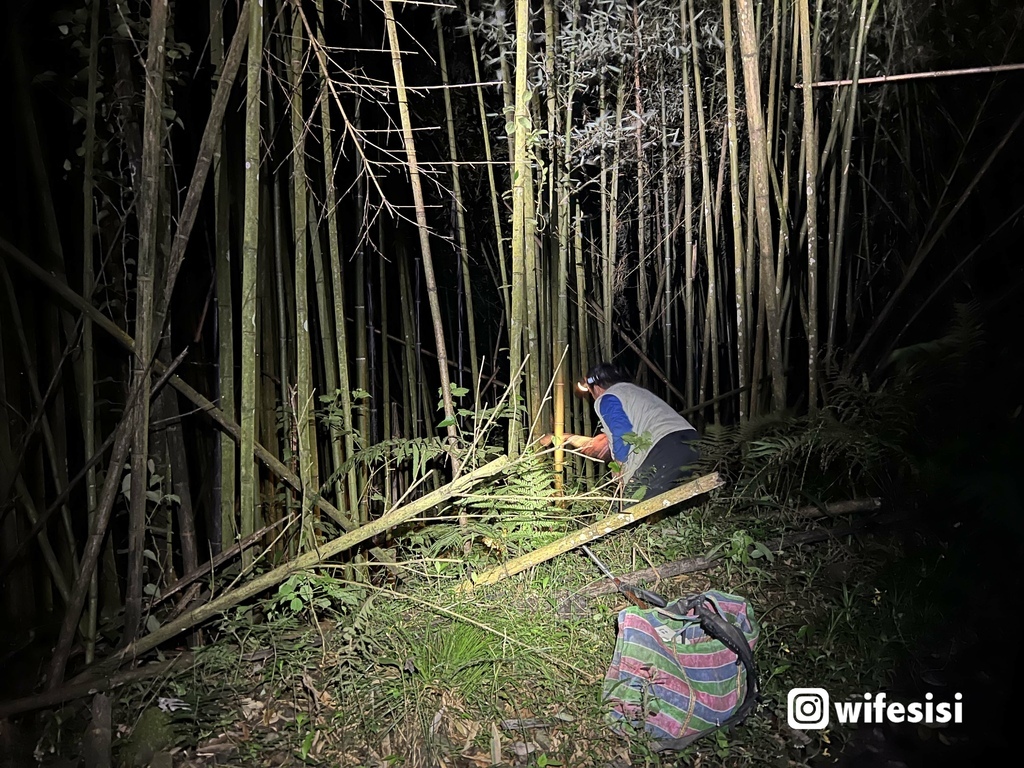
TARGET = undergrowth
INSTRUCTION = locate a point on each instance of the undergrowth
(348, 667)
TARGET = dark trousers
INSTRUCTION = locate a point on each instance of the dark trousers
(670, 461)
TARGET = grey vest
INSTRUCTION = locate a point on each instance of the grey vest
(651, 419)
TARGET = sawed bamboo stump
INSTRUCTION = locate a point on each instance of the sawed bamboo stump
(602, 527)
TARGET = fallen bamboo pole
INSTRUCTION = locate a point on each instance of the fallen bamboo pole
(600, 528)
(312, 558)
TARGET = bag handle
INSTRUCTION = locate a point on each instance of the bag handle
(717, 627)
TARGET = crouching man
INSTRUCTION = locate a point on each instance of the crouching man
(653, 446)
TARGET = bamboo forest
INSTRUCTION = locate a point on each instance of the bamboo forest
(511, 383)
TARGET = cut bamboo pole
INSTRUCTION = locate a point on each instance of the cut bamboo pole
(601, 528)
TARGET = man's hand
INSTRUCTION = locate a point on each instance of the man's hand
(592, 447)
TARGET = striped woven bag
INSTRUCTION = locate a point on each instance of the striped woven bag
(683, 671)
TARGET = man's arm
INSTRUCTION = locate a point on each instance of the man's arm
(592, 447)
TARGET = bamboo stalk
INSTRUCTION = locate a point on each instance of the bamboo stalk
(305, 394)
(227, 466)
(250, 371)
(743, 291)
(906, 76)
(810, 155)
(341, 355)
(641, 181)
(521, 127)
(88, 392)
(492, 184)
(759, 174)
(149, 200)
(848, 118)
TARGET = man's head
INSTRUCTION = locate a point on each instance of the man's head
(600, 377)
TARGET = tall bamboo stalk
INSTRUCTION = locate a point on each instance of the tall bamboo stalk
(152, 164)
(641, 180)
(810, 158)
(88, 393)
(226, 474)
(341, 354)
(305, 394)
(759, 176)
(250, 371)
(520, 130)
(739, 254)
(849, 118)
(689, 254)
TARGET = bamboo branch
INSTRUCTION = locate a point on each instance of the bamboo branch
(602, 527)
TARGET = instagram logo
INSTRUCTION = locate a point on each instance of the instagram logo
(807, 708)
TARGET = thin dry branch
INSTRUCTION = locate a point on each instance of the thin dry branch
(913, 76)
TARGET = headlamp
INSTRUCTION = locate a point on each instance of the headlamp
(584, 385)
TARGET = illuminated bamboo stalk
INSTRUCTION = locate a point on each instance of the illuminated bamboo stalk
(759, 177)
(521, 191)
(667, 309)
(282, 306)
(710, 341)
(341, 355)
(742, 289)
(810, 154)
(641, 183)
(613, 225)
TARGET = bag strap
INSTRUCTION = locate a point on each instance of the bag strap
(727, 633)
